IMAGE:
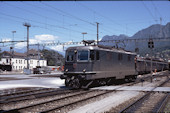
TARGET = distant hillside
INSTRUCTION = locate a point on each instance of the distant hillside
(53, 57)
(155, 31)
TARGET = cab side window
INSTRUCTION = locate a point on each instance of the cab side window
(97, 55)
(92, 55)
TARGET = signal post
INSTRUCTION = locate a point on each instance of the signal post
(151, 46)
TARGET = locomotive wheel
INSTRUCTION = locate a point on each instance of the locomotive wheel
(76, 83)
(67, 82)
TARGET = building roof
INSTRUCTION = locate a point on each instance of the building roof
(15, 54)
(32, 51)
(32, 54)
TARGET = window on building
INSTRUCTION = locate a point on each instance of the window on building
(16, 67)
(31, 61)
(16, 61)
(6, 60)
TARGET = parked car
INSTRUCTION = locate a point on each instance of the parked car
(41, 70)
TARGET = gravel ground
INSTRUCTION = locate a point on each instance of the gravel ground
(167, 84)
(149, 104)
(60, 102)
(17, 90)
(167, 107)
(119, 104)
(33, 101)
(118, 108)
(114, 99)
(155, 82)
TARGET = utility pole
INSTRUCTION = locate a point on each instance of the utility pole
(38, 55)
(13, 43)
(97, 32)
(27, 25)
(84, 34)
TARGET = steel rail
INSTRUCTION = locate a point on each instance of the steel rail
(23, 94)
(72, 103)
(23, 91)
(163, 104)
(140, 99)
(33, 105)
(35, 95)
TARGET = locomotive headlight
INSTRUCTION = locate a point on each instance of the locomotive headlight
(75, 51)
(66, 70)
(84, 70)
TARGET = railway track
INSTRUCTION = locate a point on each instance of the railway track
(59, 100)
(23, 97)
(163, 103)
(56, 104)
(147, 103)
(26, 94)
(31, 96)
(19, 91)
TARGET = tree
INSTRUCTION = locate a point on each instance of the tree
(53, 57)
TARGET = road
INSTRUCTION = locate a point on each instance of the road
(21, 80)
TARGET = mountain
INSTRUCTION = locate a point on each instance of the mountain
(113, 37)
(156, 30)
(153, 31)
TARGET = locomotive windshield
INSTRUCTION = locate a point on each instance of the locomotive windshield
(70, 56)
(83, 55)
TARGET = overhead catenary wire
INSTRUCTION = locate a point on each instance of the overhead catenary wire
(44, 28)
(113, 41)
(111, 20)
(41, 23)
(47, 18)
(68, 14)
(157, 10)
(32, 12)
(54, 13)
(38, 26)
(149, 11)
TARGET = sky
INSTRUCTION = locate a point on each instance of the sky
(65, 21)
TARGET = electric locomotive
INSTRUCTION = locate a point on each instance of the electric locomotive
(86, 65)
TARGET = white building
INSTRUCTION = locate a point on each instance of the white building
(18, 60)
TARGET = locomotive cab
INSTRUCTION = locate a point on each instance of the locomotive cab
(79, 65)
(80, 61)
(77, 62)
